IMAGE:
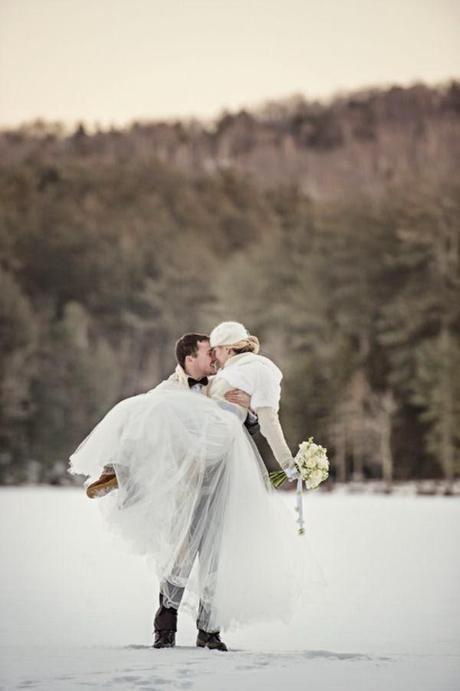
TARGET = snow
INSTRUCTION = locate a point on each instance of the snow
(77, 609)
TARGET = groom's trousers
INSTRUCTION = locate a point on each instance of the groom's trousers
(204, 514)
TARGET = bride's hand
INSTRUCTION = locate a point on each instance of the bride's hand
(238, 397)
(292, 473)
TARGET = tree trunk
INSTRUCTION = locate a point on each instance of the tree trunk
(340, 453)
(447, 417)
(388, 408)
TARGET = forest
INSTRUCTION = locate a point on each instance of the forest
(330, 230)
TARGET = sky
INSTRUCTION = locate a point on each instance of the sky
(109, 62)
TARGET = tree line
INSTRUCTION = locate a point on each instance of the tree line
(106, 261)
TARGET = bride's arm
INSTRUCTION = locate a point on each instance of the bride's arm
(243, 399)
(271, 429)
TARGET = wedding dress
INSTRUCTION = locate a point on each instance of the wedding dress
(191, 482)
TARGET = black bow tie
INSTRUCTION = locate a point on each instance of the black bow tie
(202, 382)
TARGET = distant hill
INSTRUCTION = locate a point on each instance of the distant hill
(330, 230)
(360, 141)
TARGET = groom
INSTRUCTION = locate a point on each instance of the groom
(195, 364)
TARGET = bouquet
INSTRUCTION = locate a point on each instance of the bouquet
(311, 466)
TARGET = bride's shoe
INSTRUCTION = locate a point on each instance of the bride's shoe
(105, 484)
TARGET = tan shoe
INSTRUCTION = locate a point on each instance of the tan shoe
(105, 484)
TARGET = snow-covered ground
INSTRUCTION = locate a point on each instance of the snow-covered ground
(76, 610)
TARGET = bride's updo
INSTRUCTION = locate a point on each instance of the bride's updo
(235, 336)
(246, 345)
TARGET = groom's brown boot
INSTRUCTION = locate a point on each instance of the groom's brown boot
(165, 625)
(102, 486)
(210, 640)
(165, 639)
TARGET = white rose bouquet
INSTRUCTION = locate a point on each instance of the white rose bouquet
(311, 466)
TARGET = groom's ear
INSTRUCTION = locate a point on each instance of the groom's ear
(187, 359)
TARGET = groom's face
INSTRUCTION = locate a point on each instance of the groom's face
(201, 364)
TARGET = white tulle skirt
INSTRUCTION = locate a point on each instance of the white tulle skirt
(192, 496)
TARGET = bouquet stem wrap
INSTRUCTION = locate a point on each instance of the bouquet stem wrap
(311, 466)
(300, 521)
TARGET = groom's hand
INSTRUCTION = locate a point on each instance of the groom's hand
(239, 397)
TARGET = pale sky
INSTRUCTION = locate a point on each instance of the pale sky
(113, 61)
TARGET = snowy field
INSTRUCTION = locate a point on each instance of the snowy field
(76, 610)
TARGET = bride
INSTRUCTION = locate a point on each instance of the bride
(191, 482)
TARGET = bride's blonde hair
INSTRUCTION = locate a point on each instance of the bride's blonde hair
(246, 345)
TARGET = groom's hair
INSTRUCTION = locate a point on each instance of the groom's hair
(188, 345)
